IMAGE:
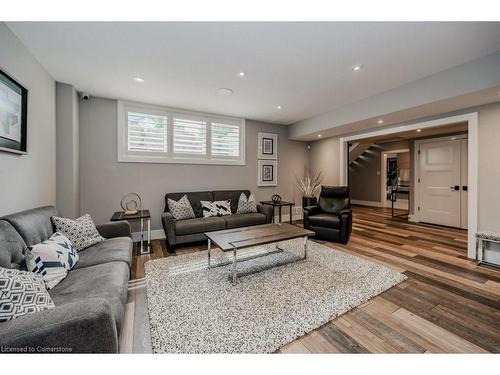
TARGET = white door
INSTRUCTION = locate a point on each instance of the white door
(440, 184)
(464, 179)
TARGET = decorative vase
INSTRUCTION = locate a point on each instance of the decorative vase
(309, 201)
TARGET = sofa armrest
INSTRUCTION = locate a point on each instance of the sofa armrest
(114, 229)
(168, 221)
(266, 210)
(85, 326)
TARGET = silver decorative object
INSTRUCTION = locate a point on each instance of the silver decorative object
(131, 203)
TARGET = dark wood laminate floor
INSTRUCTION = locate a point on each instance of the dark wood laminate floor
(447, 305)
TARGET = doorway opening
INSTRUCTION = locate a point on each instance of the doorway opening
(382, 145)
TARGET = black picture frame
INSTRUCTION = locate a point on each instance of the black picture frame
(267, 142)
(9, 110)
(267, 172)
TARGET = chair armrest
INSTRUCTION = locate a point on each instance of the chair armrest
(114, 229)
(85, 326)
(266, 210)
(312, 210)
(345, 224)
(167, 220)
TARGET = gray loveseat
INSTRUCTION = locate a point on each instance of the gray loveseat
(192, 230)
(90, 301)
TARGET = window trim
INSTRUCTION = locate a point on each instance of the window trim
(125, 156)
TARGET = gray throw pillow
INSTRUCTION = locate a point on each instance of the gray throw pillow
(22, 293)
(81, 232)
(181, 209)
(246, 205)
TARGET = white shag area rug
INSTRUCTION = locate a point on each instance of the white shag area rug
(193, 309)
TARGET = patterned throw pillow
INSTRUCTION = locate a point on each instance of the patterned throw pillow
(181, 209)
(82, 232)
(22, 293)
(50, 259)
(70, 255)
(217, 208)
(246, 205)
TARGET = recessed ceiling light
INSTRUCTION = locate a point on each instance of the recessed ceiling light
(319, 135)
(224, 91)
(356, 68)
(241, 74)
(419, 130)
(138, 79)
(278, 107)
(380, 121)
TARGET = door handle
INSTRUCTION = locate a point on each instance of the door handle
(455, 187)
(464, 188)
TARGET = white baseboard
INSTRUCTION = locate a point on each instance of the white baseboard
(367, 203)
(413, 218)
(156, 234)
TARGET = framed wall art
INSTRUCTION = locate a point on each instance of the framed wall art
(267, 146)
(267, 173)
(13, 112)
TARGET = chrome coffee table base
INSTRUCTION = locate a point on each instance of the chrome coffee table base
(233, 277)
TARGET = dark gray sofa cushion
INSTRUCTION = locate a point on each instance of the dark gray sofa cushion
(244, 220)
(117, 249)
(34, 225)
(107, 281)
(193, 197)
(232, 195)
(199, 225)
(12, 247)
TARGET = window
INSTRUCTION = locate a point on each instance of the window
(190, 136)
(152, 134)
(225, 140)
(147, 132)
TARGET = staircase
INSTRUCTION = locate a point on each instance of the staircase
(356, 149)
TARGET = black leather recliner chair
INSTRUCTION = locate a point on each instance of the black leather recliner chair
(331, 218)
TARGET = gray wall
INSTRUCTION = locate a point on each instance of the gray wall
(29, 180)
(324, 157)
(489, 173)
(365, 175)
(67, 125)
(103, 181)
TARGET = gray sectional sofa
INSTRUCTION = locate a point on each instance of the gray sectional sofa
(90, 301)
(192, 230)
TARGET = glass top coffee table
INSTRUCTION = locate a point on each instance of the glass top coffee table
(232, 240)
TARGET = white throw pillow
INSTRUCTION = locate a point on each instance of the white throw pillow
(22, 293)
(246, 205)
(49, 260)
(82, 232)
(216, 208)
(181, 209)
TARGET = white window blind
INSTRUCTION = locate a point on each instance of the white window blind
(153, 134)
(190, 136)
(225, 140)
(147, 132)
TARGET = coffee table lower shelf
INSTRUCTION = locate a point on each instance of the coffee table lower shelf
(265, 234)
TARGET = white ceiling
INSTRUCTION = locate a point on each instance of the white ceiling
(304, 67)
